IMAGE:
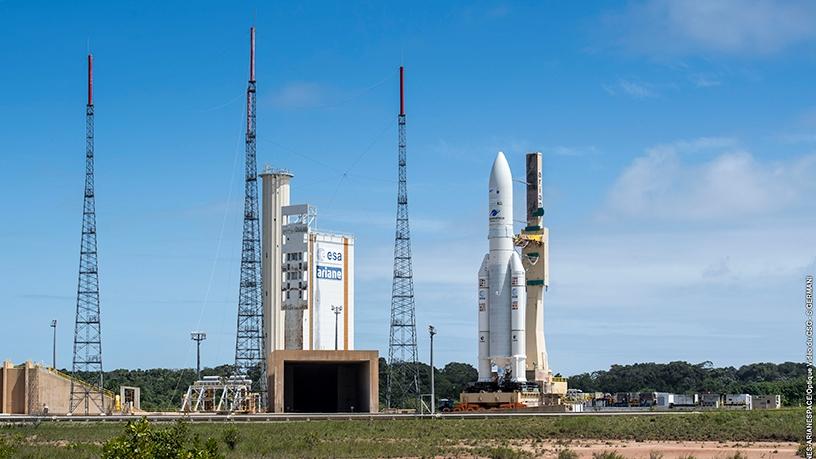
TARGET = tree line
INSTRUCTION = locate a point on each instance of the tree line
(162, 389)
(786, 379)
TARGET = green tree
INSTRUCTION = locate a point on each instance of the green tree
(141, 440)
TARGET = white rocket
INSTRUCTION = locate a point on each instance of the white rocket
(502, 286)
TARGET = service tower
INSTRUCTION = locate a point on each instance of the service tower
(535, 250)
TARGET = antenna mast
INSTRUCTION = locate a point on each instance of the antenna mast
(403, 371)
(249, 343)
(87, 362)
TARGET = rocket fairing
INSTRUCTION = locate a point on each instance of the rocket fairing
(502, 285)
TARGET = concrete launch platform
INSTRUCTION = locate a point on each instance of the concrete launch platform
(323, 381)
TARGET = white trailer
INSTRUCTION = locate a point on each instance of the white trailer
(664, 399)
(683, 400)
(743, 401)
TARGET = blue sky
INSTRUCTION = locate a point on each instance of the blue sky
(678, 142)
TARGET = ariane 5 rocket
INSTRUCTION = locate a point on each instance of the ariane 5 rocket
(502, 286)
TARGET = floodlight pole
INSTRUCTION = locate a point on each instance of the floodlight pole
(432, 332)
(198, 337)
(336, 310)
(54, 345)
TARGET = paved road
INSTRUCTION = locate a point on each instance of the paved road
(270, 417)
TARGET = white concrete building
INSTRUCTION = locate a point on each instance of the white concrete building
(308, 275)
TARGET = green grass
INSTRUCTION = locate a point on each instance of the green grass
(418, 438)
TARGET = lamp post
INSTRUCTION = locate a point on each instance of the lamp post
(198, 337)
(432, 332)
(54, 345)
(337, 310)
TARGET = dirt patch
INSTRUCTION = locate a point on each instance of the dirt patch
(668, 449)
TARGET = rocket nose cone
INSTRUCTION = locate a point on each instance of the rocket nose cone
(500, 173)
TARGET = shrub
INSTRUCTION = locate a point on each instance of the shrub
(567, 453)
(6, 449)
(232, 437)
(607, 455)
(504, 453)
(655, 455)
(141, 441)
(501, 452)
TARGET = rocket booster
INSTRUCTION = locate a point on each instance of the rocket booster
(502, 286)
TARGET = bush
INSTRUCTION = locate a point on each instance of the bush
(141, 441)
(232, 437)
(504, 453)
(6, 449)
(607, 455)
(655, 455)
(501, 452)
(567, 453)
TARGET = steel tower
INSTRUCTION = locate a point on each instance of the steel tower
(88, 332)
(403, 371)
(249, 343)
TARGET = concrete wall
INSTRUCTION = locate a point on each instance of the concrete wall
(15, 398)
(767, 402)
(28, 388)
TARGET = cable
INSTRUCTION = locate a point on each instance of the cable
(354, 163)
(217, 250)
(217, 107)
(358, 94)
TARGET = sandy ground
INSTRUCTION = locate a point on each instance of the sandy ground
(668, 449)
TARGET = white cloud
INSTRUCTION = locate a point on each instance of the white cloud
(631, 88)
(640, 265)
(720, 269)
(298, 94)
(665, 184)
(704, 81)
(637, 90)
(752, 27)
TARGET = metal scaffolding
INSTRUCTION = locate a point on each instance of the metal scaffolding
(216, 394)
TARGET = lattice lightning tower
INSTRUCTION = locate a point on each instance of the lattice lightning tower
(249, 343)
(88, 332)
(403, 371)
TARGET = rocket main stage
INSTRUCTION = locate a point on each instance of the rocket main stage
(502, 295)
(512, 351)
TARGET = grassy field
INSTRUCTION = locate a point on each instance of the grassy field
(419, 438)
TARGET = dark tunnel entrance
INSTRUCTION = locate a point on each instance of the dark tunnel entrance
(326, 387)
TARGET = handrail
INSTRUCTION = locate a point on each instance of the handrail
(107, 392)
